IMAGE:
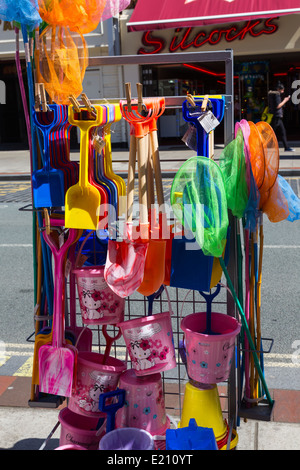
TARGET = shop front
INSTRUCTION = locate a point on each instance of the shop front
(265, 51)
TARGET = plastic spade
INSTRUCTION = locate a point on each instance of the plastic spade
(109, 341)
(56, 360)
(82, 200)
(48, 182)
(112, 408)
(209, 298)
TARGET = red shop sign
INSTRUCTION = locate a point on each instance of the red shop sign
(185, 38)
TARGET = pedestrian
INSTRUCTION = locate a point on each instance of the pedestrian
(276, 104)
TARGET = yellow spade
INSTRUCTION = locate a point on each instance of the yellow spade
(82, 200)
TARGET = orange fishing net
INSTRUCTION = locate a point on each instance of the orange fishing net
(61, 59)
(79, 15)
(273, 201)
(257, 157)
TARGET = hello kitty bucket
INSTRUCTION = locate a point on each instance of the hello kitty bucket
(149, 341)
(99, 305)
(93, 378)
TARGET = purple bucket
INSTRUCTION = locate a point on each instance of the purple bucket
(127, 439)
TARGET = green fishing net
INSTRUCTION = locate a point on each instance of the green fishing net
(233, 166)
(198, 199)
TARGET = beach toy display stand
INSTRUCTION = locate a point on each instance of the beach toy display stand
(169, 383)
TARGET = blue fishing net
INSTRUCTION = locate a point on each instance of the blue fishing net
(25, 12)
(292, 199)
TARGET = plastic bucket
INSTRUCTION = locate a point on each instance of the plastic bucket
(144, 403)
(92, 379)
(77, 430)
(209, 357)
(149, 341)
(127, 439)
(203, 404)
(99, 305)
(223, 444)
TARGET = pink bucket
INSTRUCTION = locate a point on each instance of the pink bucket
(77, 430)
(209, 357)
(144, 403)
(98, 303)
(149, 341)
(92, 379)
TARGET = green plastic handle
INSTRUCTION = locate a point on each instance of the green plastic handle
(246, 328)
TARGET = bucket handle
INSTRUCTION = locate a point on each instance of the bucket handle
(81, 247)
(157, 294)
(216, 292)
(169, 301)
(183, 302)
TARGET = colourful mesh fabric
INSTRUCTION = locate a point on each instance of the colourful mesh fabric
(78, 15)
(113, 7)
(198, 199)
(25, 12)
(61, 60)
(252, 210)
(233, 165)
(273, 201)
(257, 157)
(292, 199)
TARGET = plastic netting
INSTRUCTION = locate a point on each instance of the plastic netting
(61, 59)
(292, 199)
(198, 199)
(78, 15)
(114, 7)
(252, 209)
(273, 202)
(233, 166)
(257, 156)
(25, 12)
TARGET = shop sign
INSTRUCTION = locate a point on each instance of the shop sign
(186, 38)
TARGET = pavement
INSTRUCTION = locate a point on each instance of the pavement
(15, 164)
(24, 427)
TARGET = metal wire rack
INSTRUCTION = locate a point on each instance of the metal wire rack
(183, 302)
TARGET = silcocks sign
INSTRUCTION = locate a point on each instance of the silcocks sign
(185, 38)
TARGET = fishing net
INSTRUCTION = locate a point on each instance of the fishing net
(25, 12)
(61, 59)
(252, 209)
(257, 157)
(273, 202)
(198, 199)
(233, 166)
(292, 199)
(79, 15)
(114, 7)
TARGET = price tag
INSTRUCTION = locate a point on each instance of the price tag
(208, 121)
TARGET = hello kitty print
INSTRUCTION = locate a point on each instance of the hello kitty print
(99, 305)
